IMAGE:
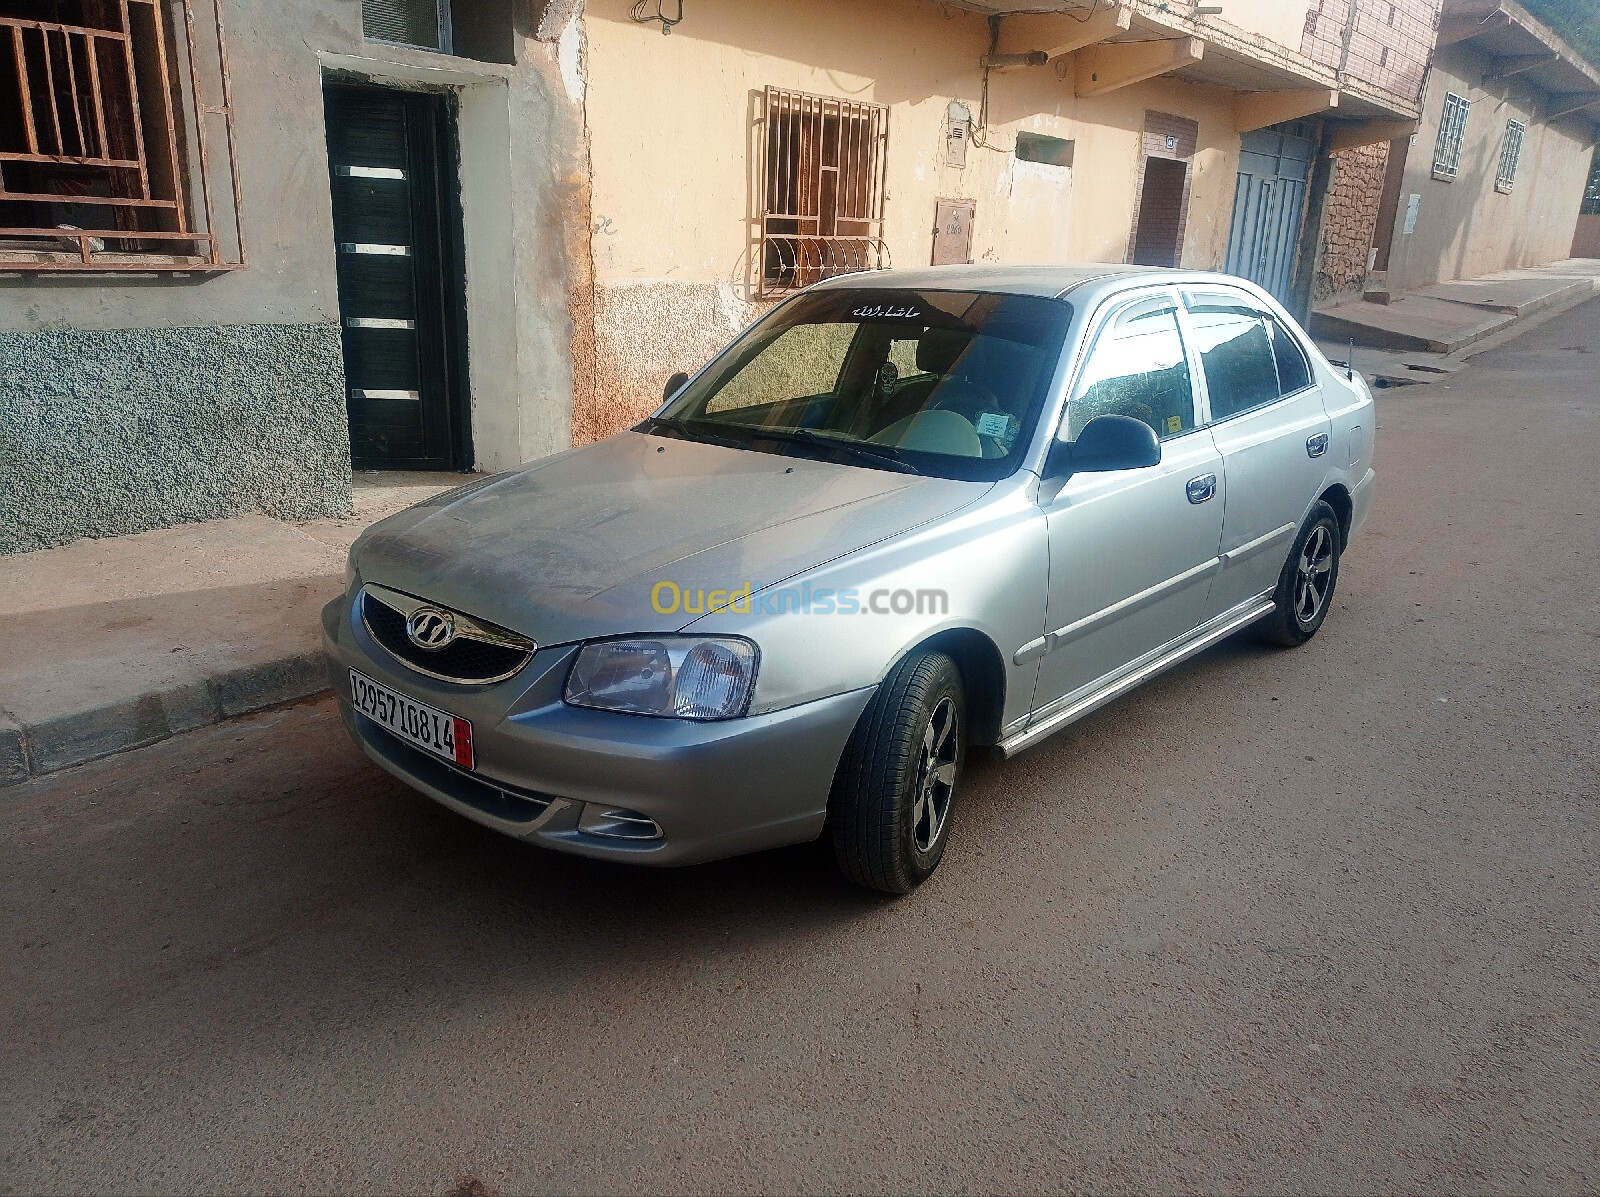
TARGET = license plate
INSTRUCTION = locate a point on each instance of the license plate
(429, 728)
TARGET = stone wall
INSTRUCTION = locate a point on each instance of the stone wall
(1349, 220)
(110, 431)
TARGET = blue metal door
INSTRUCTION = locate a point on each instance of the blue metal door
(1274, 169)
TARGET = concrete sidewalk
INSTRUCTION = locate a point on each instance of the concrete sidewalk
(115, 643)
(1448, 318)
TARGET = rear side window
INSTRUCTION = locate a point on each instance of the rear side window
(1137, 368)
(1294, 372)
(1237, 355)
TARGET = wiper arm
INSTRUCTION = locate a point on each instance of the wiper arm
(692, 432)
(861, 450)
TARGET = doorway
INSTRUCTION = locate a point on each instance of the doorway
(1269, 207)
(397, 239)
(1168, 150)
(1158, 236)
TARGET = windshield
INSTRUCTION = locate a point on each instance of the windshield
(944, 383)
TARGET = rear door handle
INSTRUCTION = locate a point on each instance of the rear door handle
(1317, 445)
(1202, 488)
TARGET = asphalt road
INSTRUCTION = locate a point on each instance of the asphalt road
(1310, 921)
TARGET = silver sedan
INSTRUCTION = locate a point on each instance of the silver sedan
(904, 516)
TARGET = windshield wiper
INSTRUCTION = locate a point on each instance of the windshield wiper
(884, 455)
(692, 432)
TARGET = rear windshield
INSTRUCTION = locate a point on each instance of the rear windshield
(945, 383)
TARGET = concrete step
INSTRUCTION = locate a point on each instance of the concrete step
(1414, 323)
(1519, 297)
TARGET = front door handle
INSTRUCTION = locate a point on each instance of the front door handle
(1317, 445)
(1202, 488)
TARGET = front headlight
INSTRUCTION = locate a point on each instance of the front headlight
(676, 677)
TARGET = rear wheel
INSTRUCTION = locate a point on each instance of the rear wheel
(894, 794)
(1306, 585)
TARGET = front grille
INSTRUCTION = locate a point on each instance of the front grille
(466, 659)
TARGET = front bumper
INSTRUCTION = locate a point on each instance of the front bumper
(714, 789)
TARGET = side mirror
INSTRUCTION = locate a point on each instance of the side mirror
(1106, 444)
(674, 384)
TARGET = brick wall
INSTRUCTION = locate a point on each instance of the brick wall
(1389, 45)
(1349, 220)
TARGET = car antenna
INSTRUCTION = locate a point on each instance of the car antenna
(1350, 361)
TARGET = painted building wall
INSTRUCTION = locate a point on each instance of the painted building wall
(1466, 228)
(1280, 21)
(674, 148)
(133, 402)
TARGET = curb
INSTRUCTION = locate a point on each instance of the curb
(32, 750)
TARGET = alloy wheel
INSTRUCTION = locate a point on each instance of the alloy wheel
(936, 775)
(1314, 576)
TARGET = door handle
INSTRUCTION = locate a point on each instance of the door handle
(1202, 488)
(1317, 445)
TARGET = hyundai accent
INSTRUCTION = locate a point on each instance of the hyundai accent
(904, 516)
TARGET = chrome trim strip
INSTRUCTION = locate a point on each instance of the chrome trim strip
(369, 172)
(1251, 547)
(1134, 602)
(372, 247)
(1031, 651)
(1160, 660)
(378, 393)
(376, 322)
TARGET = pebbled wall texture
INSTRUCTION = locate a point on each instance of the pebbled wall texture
(110, 431)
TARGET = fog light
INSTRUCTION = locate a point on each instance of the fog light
(618, 824)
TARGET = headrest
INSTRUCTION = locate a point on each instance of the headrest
(941, 348)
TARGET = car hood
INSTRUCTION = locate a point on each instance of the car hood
(571, 547)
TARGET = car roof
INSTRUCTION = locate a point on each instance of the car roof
(1048, 281)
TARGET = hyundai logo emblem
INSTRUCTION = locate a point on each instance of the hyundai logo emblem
(431, 629)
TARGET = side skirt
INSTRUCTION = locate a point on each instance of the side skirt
(1140, 671)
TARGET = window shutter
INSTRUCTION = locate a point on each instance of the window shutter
(409, 22)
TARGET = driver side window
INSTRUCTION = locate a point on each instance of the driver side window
(1137, 368)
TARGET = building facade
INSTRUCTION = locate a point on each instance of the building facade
(1495, 177)
(290, 236)
(452, 234)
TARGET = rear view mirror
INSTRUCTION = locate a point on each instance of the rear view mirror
(1107, 444)
(674, 384)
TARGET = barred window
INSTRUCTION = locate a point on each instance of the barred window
(114, 114)
(823, 189)
(1510, 157)
(1452, 133)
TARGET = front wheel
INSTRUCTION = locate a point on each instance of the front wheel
(1306, 585)
(894, 794)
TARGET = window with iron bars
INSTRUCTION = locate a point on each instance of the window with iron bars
(1510, 157)
(823, 189)
(1452, 134)
(113, 116)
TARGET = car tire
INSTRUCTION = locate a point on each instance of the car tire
(1308, 581)
(894, 793)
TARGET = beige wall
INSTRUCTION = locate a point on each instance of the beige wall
(1466, 228)
(674, 136)
(1281, 21)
